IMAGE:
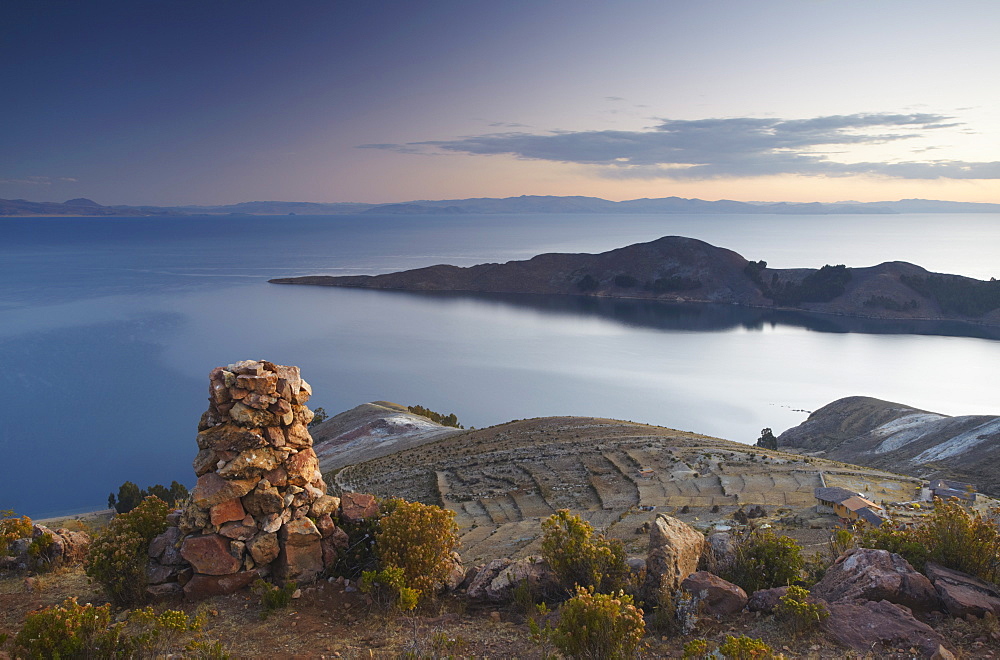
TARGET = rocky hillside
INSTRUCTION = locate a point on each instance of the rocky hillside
(503, 479)
(893, 436)
(372, 430)
(678, 269)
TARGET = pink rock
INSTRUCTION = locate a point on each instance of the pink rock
(718, 596)
(302, 466)
(765, 600)
(964, 595)
(205, 586)
(866, 574)
(227, 511)
(878, 628)
(209, 554)
(325, 525)
(355, 507)
(277, 477)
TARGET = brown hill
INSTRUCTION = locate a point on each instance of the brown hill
(886, 435)
(678, 269)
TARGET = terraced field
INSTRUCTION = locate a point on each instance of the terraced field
(501, 481)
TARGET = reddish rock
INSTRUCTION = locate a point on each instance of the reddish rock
(301, 556)
(674, 550)
(238, 393)
(718, 597)
(324, 505)
(297, 435)
(230, 437)
(280, 407)
(964, 595)
(288, 376)
(205, 586)
(247, 367)
(209, 554)
(879, 628)
(276, 477)
(263, 501)
(275, 436)
(865, 574)
(212, 489)
(251, 417)
(302, 466)
(264, 548)
(765, 600)
(227, 511)
(355, 507)
(238, 530)
(265, 383)
(325, 525)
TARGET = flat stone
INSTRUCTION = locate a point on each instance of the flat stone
(205, 586)
(355, 507)
(299, 532)
(209, 554)
(212, 489)
(259, 401)
(227, 511)
(237, 530)
(251, 417)
(247, 367)
(250, 463)
(230, 437)
(964, 595)
(264, 383)
(879, 628)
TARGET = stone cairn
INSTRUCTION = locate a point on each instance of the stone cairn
(260, 507)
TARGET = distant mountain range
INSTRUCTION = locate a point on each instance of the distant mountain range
(492, 205)
(679, 269)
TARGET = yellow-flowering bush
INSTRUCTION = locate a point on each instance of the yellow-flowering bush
(599, 626)
(579, 557)
(419, 539)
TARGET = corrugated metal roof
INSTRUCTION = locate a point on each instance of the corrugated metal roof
(833, 494)
(856, 503)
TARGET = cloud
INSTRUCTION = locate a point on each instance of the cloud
(717, 148)
(38, 180)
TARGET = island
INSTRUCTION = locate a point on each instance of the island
(678, 269)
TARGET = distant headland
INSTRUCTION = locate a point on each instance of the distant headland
(490, 205)
(678, 269)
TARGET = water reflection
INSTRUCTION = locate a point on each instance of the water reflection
(705, 317)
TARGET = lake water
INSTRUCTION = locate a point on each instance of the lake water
(109, 327)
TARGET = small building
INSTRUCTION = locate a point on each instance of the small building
(945, 488)
(848, 505)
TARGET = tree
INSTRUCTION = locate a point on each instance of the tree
(767, 440)
(319, 416)
(129, 497)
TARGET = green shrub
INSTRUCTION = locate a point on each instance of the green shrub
(129, 495)
(444, 420)
(763, 560)
(388, 589)
(579, 558)
(12, 529)
(117, 558)
(895, 538)
(797, 613)
(419, 539)
(273, 597)
(696, 649)
(600, 626)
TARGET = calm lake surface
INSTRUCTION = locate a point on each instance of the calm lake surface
(109, 327)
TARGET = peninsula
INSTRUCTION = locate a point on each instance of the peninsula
(679, 269)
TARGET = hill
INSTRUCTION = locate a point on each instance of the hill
(679, 269)
(503, 479)
(881, 434)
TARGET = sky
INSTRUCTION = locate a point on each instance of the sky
(221, 101)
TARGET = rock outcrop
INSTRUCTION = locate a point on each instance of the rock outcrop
(716, 596)
(46, 549)
(674, 550)
(260, 507)
(964, 595)
(865, 574)
(881, 628)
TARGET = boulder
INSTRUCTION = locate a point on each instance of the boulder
(879, 628)
(533, 570)
(963, 595)
(355, 507)
(205, 586)
(866, 574)
(765, 600)
(168, 539)
(717, 596)
(301, 556)
(674, 550)
(210, 554)
(720, 550)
